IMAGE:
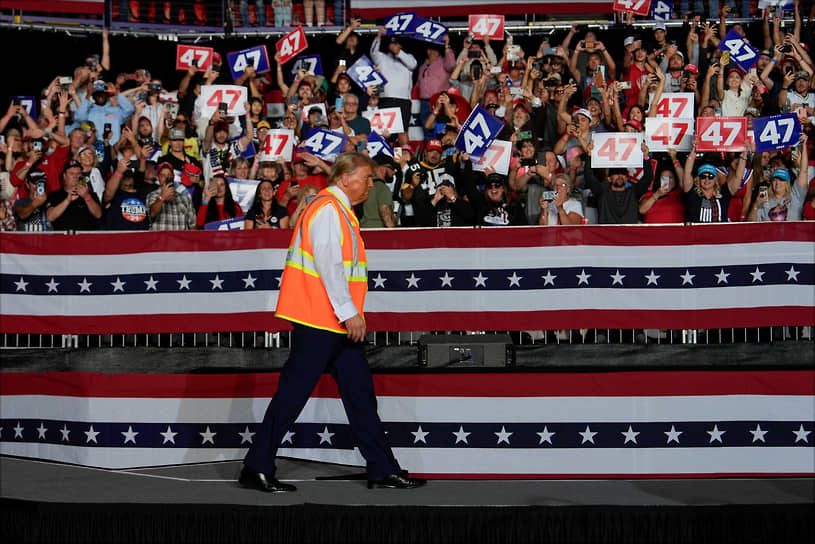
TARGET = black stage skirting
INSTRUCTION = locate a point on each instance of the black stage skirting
(24, 521)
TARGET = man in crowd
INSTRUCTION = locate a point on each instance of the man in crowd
(377, 211)
(75, 206)
(169, 209)
(397, 66)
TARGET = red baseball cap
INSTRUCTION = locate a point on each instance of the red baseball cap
(434, 145)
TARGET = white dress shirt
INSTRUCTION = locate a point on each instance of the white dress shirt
(326, 241)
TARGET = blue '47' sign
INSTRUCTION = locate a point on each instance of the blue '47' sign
(256, 56)
(430, 31)
(377, 144)
(741, 52)
(662, 10)
(478, 132)
(776, 132)
(325, 144)
(363, 73)
(401, 23)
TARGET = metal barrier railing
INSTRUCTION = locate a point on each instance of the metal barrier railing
(275, 340)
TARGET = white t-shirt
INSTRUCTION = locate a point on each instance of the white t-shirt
(571, 205)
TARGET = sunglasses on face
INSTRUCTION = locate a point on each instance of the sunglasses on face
(707, 176)
(495, 185)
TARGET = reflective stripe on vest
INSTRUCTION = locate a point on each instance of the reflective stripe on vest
(298, 258)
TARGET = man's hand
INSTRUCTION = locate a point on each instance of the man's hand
(356, 328)
(34, 156)
(168, 191)
(82, 190)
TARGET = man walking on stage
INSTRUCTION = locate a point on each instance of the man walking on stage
(322, 293)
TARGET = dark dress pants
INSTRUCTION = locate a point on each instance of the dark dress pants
(313, 352)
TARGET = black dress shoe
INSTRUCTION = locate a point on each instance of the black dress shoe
(264, 482)
(397, 481)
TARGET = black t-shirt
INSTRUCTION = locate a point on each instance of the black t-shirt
(129, 211)
(278, 213)
(36, 221)
(76, 216)
(699, 209)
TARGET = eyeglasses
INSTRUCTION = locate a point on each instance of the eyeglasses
(562, 185)
(707, 176)
(184, 121)
(291, 119)
(495, 185)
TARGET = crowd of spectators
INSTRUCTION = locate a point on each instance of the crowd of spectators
(107, 151)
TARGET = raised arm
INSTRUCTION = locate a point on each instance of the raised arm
(803, 163)
(687, 176)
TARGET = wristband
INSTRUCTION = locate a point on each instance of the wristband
(28, 164)
(676, 163)
(773, 60)
(116, 174)
(205, 202)
(87, 198)
(161, 198)
(7, 117)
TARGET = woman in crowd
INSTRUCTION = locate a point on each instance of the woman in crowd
(239, 169)
(217, 203)
(784, 200)
(663, 203)
(86, 157)
(736, 96)
(706, 198)
(564, 208)
(265, 212)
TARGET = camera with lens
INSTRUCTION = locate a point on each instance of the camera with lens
(147, 140)
(537, 64)
(549, 195)
(786, 48)
(528, 162)
(154, 87)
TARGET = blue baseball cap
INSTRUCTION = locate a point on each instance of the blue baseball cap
(781, 173)
(707, 169)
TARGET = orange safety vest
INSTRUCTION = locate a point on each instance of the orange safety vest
(303, 298)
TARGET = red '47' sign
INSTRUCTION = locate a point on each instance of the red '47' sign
(721, 133)
(290, 45)
(491, 26)
(638, 7)
(187, 55)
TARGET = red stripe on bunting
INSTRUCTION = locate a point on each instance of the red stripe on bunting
(593, 319)
(421, 321)
(605, 235)
(487, 385)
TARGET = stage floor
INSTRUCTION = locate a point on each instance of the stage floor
(322, 483)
